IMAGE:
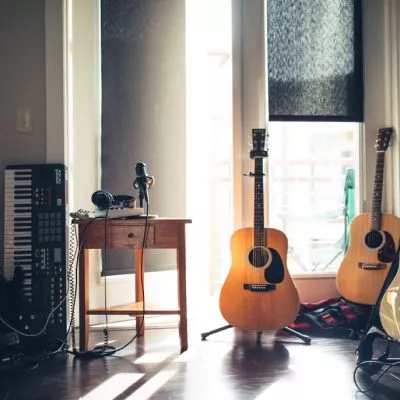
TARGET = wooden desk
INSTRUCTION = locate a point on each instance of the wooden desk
(163, 233)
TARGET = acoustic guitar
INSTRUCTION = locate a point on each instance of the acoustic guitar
(374, 238)
(258, 293)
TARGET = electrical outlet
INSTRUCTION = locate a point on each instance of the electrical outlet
(24, 120)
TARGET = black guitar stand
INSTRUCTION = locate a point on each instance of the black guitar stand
(306, 339)
(374, 330)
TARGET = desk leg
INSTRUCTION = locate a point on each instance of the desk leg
(139, 278)
(83, 299)
(181, 266)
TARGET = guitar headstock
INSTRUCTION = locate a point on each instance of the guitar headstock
(384, 139)
(258, 140)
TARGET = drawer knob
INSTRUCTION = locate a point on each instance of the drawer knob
(130, 235)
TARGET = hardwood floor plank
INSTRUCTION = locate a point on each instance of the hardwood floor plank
(227, 365)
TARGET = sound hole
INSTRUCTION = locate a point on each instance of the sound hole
(258, 257)
(373, 239)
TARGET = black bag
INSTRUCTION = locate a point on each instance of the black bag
(335, 317)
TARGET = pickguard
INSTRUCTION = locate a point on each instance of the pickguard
(387, 252)
(275, 273)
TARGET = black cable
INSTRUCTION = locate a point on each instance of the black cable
(103, 353)
(72, 253)
(43, 329)
(373, 363)
(17, 365)
(21, 357)
(373, 366)
(105, 330)
(74, 259)
(72, 283)
(73, 288)
(21, 360)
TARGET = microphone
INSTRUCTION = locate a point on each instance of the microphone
(143, 181)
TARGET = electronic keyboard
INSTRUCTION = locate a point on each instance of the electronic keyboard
(35, 237)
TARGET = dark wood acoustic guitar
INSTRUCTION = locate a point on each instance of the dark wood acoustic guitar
(374, 239)
(258, 293)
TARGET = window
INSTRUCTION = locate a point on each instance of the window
(308, 166)
(314, 74)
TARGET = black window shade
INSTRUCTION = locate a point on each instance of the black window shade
(142, 41)
(314, 52)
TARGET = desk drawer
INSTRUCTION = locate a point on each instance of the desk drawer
(129, 236)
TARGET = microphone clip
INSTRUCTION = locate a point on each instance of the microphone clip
(143, 182)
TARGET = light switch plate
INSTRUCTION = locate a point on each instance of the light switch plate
(24, 120)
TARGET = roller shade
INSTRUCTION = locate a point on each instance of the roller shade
(314, 50)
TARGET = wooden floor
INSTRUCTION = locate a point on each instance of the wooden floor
(227, 365)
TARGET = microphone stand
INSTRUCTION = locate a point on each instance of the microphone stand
(141, 197)
(143, 189)
(143, 182)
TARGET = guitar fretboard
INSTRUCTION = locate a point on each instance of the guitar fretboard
(376, 205)
(259, 233)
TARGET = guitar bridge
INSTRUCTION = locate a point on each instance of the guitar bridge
(371, 266)
(259, 287)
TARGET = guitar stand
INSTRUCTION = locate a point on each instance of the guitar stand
(365, 349)
(374, 330)
(306, 339)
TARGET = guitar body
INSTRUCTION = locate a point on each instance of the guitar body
(258, 293)
(367, 262)
(389, 309)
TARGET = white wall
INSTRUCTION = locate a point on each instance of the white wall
(56, 139)
(381, 96)
(22, 84)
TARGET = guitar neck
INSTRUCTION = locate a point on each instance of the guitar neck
(376, 205)
(259, 233)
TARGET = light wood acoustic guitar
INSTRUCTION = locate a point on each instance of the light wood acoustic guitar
(258, 293)
(374, 239)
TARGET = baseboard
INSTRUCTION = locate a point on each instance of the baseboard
(316, 288)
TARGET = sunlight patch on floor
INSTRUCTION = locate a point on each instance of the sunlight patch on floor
(113, 387)
(152, 358)
(153, 384)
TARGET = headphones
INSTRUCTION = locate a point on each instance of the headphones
(104, 200)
